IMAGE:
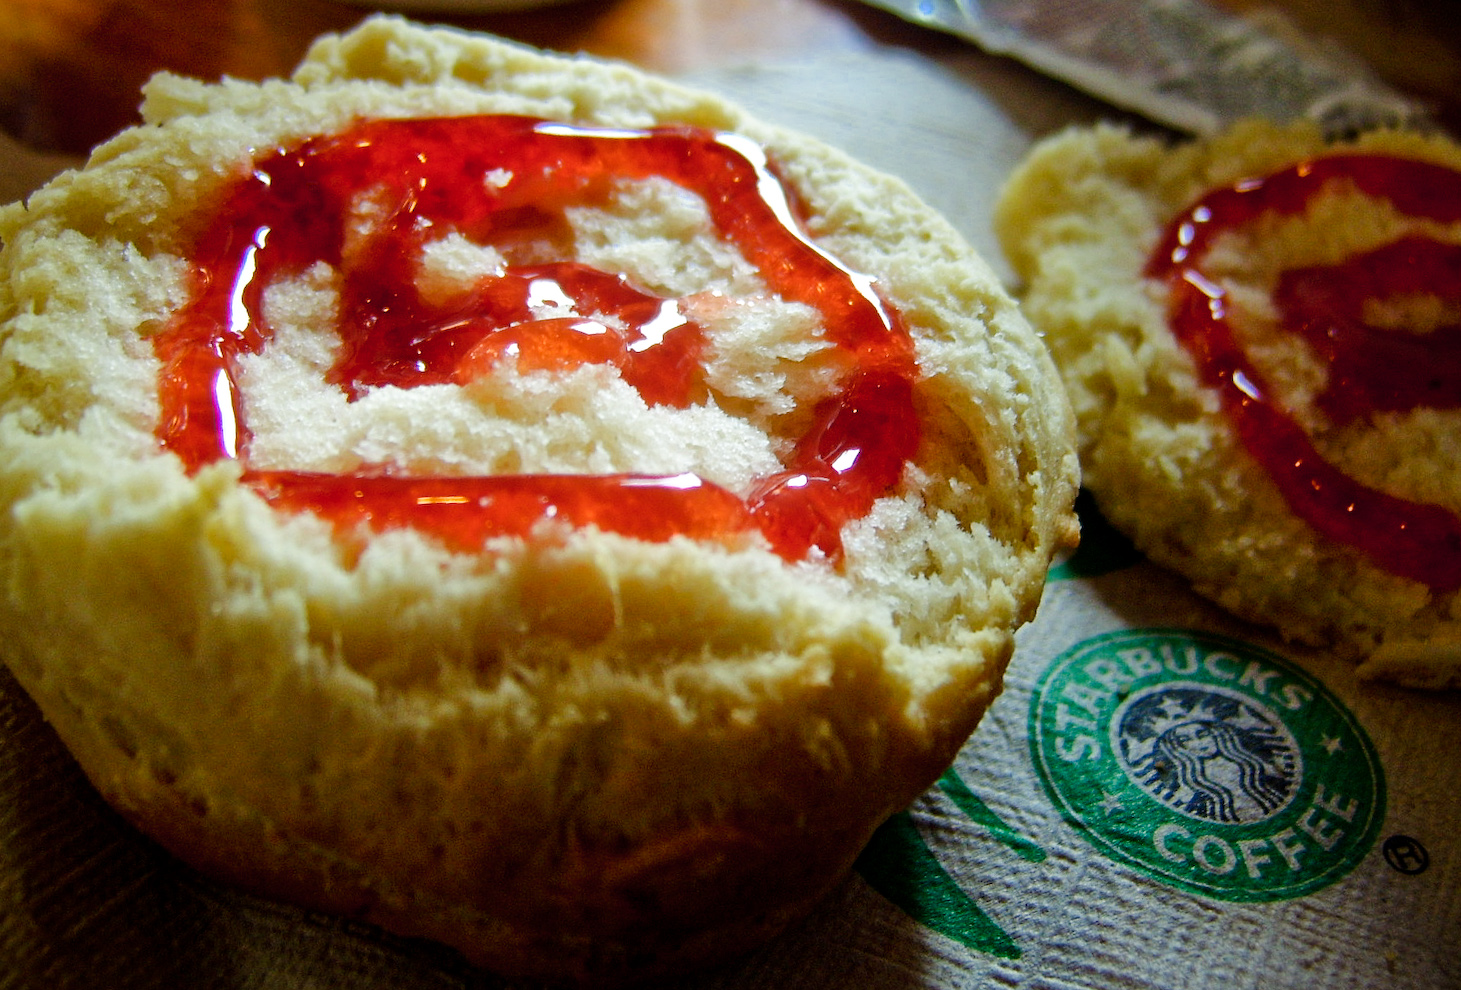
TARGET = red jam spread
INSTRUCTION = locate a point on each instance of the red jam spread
(506, 182)
(1372, 368)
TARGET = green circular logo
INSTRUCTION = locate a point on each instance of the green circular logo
(1207, 763)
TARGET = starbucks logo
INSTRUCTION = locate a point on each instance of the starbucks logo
(1206, 762)
(1207, 752)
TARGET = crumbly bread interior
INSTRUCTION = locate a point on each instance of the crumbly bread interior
(1079, 220)
(576, 756)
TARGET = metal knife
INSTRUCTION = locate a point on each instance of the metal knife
(1180, 63)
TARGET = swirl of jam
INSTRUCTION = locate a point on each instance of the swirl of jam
(1371, 368)
(506, 181)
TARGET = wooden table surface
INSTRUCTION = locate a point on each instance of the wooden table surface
(70, 69)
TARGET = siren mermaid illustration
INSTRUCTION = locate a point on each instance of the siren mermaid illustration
(1208, 755)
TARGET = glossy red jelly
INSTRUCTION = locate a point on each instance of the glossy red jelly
(1371, 368)
(506, 181)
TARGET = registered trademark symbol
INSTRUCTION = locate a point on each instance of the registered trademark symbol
(1406, 854)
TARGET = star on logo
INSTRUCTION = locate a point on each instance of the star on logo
(1332, 744)
(1173, 709)
(1110, 803)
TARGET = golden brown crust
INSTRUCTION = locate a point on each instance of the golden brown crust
(605, 915)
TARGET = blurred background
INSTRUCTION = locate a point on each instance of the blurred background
(70, 69)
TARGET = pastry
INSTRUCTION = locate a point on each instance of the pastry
(1258, 332)
(511, 498)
